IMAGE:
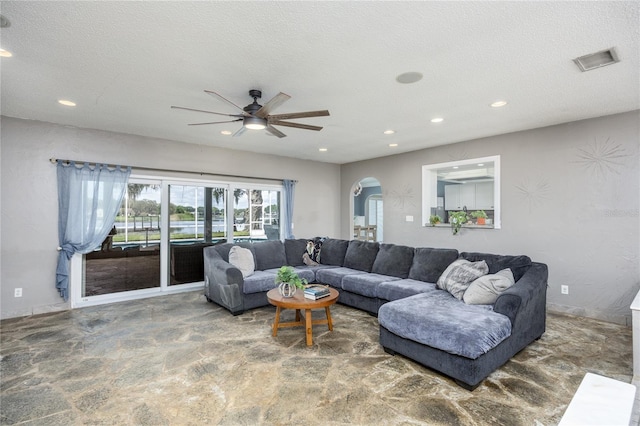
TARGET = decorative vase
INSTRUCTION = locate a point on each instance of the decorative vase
(287, 289)
(481, 221)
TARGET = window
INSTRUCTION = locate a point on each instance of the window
(161, 230)
(466, 185)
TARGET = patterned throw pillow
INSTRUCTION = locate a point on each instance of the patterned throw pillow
(460, 274)
(242, 259)
(311, 255)
(486, 289)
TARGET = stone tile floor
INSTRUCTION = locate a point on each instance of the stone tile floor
(178, 360)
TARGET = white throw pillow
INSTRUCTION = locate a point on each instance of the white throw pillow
(459, 274)
(242, 259)
(485, 290)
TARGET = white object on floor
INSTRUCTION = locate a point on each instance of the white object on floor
(600, 401)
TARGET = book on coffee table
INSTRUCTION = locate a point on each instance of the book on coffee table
(316, 292)
(315, 296)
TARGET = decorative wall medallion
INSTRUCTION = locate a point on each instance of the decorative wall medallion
(458, 153)
(601, 157)
(402, 198)
(535, 194)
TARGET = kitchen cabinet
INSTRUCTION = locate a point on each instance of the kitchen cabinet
(473, 196)
(484, 196)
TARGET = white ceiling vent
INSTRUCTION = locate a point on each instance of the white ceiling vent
(597, 60)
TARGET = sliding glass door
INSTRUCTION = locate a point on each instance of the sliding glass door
(129, 258)
(161, 230)
(197, 219)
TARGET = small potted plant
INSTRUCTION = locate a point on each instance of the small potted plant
(457, 219)
(480, 216)
(288, 281)
(434, 219)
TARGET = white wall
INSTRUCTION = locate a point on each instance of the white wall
(570, 198)
(29, 206)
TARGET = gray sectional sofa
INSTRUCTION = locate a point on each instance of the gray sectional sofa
(398, 284)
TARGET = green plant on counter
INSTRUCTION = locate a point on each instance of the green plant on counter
(479, 214)
(434, 219)
(457, 219)
(286, 274)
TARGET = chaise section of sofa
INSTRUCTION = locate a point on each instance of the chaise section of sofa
(468, 342)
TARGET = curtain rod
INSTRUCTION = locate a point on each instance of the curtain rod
(151, 169)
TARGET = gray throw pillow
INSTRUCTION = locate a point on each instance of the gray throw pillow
(459, 275)
(242, 259)
(486, 289)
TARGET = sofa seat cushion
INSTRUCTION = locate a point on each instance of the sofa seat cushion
(303, 273)
(399, 289)
(334, 276)
(439, 320)
(259, 282)
(364, 284)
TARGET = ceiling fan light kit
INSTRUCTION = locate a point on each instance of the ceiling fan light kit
(255, 123)
(257, 117)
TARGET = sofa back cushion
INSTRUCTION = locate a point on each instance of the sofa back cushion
(430, 263)
(223, 249)
(333, 251)
(269, 254)
(294, 249)
(361, 255)
(496, 262)
(393, 260)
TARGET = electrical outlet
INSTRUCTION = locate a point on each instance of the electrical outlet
(564, 289)
(17, 292)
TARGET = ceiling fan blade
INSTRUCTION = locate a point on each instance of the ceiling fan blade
(214, 122)
(289, 116)
(240, 131)
(274, 103)
(296, 125)
(275, 132)
(217, 95)
(208, 112)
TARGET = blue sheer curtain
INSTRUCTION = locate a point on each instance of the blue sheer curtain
(88, 200)
(289, 191)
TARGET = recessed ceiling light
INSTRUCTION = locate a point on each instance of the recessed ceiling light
(226, 132)
(389, 132)
(481, 164)
(498, 104)
(437, 120)
(455, 167)
(323, 149)
(66, 102)
(393, 145)
(409, 77)
(5, 53)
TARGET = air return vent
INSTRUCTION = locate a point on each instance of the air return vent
(597, 60)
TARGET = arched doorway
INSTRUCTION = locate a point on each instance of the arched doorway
(368, 218)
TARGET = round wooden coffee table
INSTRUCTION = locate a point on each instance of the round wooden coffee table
(300, 303)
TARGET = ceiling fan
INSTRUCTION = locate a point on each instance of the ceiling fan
(257, 117)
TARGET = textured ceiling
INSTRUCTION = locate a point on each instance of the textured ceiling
(126, 63)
